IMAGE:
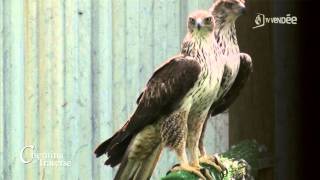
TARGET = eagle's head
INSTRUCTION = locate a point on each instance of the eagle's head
(200, 32)
(200, 23)
(228, 10)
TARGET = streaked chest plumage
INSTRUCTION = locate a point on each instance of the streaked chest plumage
(227, 41)
(206, 88)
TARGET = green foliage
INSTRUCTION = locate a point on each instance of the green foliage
(180, 175)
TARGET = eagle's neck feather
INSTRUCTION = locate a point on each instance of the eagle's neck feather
(226, 38)
(203, 50)
(198, 47)
(225, 33)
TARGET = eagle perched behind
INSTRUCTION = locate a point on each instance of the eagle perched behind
(238, 66)
(172, 109)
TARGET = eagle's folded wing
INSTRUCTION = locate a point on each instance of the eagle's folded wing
(244, 71)
(163, 93)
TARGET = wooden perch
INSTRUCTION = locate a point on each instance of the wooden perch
(242, 161)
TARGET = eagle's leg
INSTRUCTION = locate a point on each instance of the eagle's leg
(202, 149)
(195, 128)
(193, 136)
(176, 138)
(184, 165)
(204, 157)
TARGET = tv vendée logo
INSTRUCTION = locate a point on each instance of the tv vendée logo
(261, 20)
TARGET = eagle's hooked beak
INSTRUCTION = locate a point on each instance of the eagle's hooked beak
(242, 9)
(199, 24)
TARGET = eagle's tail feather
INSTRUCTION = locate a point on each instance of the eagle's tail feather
(134, 169)
(115, 151)
(148, 165)
(102, 148)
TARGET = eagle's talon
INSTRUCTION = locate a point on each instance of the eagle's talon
(207, 174)
(193, 169)
(171, 170)
(214, 162)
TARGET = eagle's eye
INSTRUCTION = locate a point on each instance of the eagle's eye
(192, 21)
(228, 5)
(208, 20)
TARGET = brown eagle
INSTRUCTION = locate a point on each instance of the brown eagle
(237, 65)
(172, 109)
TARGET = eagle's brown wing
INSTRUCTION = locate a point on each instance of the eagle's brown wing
(164, 91)
(244, 71)
(162, 95)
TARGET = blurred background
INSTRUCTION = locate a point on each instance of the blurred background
(71, 71)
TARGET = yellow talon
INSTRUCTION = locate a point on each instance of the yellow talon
(214, 162)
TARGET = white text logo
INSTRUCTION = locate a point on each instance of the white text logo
(29, 154)
(261, 20)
